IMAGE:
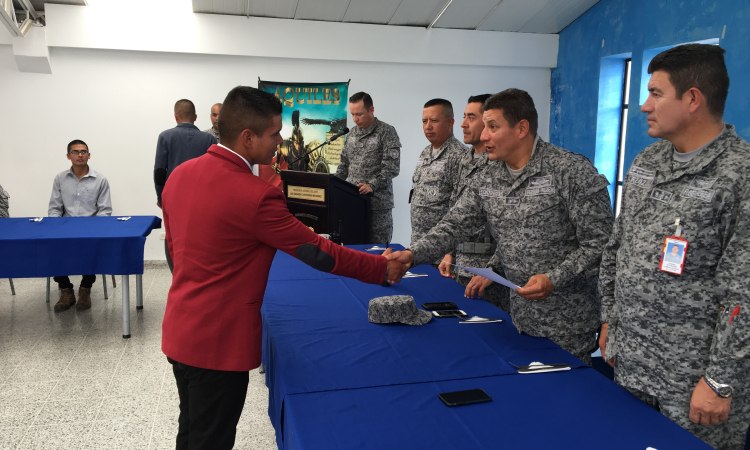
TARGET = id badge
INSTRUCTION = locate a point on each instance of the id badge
(673, 255)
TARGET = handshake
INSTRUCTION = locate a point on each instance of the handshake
(398, 263)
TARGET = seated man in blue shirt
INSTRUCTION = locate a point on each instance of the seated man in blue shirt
(78, 192)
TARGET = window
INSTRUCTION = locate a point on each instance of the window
(623, 133)
(611, 120)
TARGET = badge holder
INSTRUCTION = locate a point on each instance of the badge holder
(674, 251)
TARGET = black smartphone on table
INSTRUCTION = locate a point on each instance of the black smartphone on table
(437, 306)
(459, 398)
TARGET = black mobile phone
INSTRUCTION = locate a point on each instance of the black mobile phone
(439, 305)
(460, 398)
(449, 313)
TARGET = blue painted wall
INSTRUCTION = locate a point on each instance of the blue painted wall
(632, 26)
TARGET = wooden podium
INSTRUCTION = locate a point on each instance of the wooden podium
(329, 205)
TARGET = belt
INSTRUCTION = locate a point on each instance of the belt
(485, 248)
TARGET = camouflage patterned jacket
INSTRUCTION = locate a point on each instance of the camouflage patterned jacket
(470, 166)
(214, 133)
(372, 155)
(554, 219)
(668, 330)
(434, 181)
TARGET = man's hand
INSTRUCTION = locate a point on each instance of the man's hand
(396, 270)
(158, 204)
(603, 343)
(445, 266)
(406, 257)
(539, 287)
(476, 287)
(364, 188)
(707, 408)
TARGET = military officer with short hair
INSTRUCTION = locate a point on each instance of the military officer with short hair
(371, 159)
(680, 339)
(479, 249)
(550, 213)
(214, 130)
(436, 174)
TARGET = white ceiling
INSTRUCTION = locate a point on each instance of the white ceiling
(526, 16)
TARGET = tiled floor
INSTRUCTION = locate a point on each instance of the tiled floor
(71, 381)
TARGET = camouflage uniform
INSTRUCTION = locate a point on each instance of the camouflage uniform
(4, 196)
(214, 133)
(554, 219)
(372, 155)
(465, 256)
(434, 180)
(666, 331)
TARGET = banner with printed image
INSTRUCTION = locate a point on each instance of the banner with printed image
(311, 114)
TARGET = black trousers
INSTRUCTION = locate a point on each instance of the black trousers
(169, 259)
(211, 403)
(86, 282)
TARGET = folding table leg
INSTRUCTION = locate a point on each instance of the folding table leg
(47, 289)
(139, 291)
(125, 307)
(104, 284)
(114, 283)
(12, 288)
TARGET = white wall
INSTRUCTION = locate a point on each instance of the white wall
(119, 101)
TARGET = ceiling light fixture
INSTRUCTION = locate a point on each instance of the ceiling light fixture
(439, 15)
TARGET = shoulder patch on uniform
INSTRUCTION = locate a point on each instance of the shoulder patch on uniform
(661, 195)
(315, 257)
(540, 186)
(701, 194)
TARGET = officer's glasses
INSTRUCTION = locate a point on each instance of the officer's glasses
(79, 152)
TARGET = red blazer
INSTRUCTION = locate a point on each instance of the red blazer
(224, 225)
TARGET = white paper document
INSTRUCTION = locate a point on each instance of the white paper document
(489, 274)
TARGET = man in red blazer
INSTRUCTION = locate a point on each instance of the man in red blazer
(224, 225)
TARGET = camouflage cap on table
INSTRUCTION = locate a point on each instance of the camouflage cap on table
(397, 308)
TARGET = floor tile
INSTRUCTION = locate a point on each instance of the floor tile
(56, 436)
(10, 438)
(30, 392)
(70, 380)
(64, 412)
(18, 414)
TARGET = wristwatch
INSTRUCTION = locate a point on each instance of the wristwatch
(722, 390)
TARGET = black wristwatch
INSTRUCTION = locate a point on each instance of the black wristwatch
(722, 390)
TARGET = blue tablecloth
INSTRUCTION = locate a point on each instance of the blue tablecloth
(317, 336)
(73, 246)
(575, 410)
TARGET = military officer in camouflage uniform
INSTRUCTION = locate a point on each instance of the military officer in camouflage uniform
(682, 342)
(550, 213)
(371, 159)
(436, 175)
(478, 251)
(214, 130)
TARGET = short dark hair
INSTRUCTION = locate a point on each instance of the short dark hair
(362, 96)
(447, 106)
(77, 142)
(516, 105)
(696, 65)
(247, 108)
(479, 99)
(185, 109)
